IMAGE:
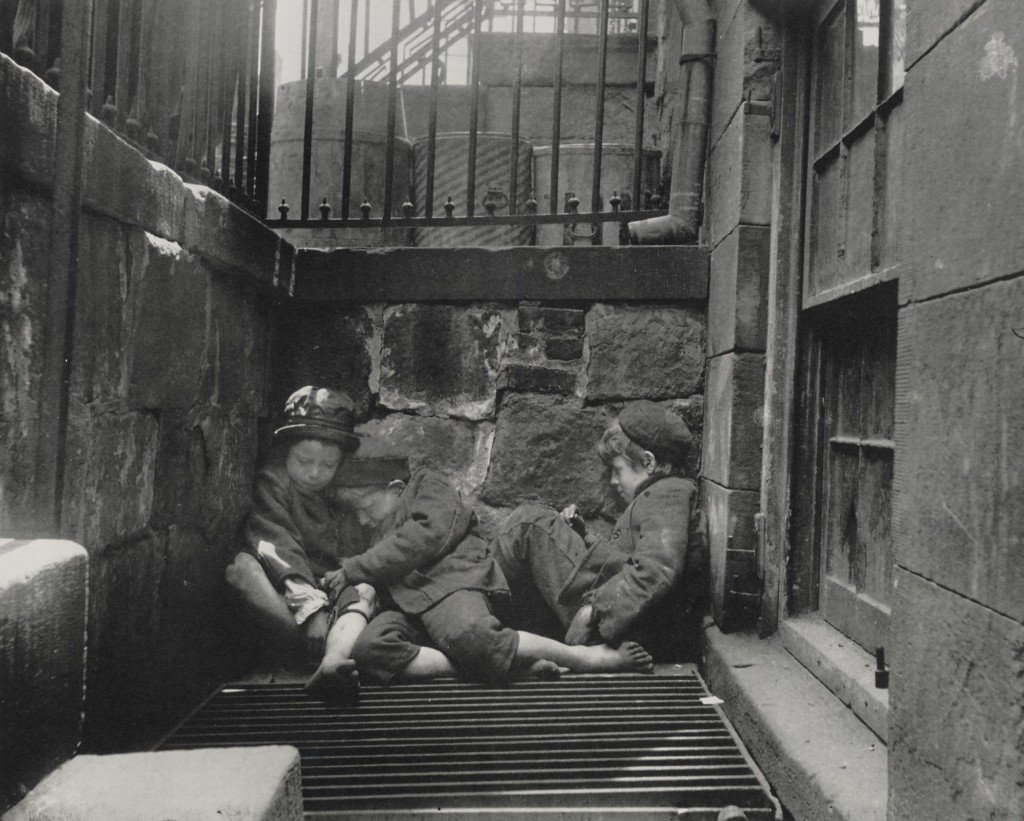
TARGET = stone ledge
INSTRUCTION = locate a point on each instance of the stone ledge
(240, 783)
(820, 759)
(841, 665)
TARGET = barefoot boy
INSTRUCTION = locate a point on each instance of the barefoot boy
(647, 581)
(438, 574)
(297, 531)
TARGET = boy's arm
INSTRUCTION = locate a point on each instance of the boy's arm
(658, 561)
(437, 521)
(271, 534)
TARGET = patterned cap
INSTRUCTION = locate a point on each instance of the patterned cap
(320, 413)
(657, 429)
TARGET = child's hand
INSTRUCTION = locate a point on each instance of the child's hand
(569, 513)
(335, 580)
(580, 630)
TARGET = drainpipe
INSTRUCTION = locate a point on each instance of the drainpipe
(689, 135)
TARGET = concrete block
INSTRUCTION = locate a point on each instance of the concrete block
(329, 345)
(959, 423)
(460, 450)
(545, 448)
(43, 586)
(733, 548)
(649, 351)
(734, 424)
(739, 186)
(24, 267)
(236, 783)
(110, 465)
(441, 359)
(962, 227)
(738, 298)
(229, 238)
(957, 691)
(168, 323)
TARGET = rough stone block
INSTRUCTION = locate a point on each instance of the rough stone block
(733, 546)
(28, 127)
(957, 695)
(99, 332)
(238, 353)
(458, 449)
(962, 226)
(229, 238)
(740, 177)
(110, 465)
(564, 349)
(24, 266)
(526, 347)
(545, 448)
(328, 345)
(738, 299)
(654, 352)
(180, 482)
(169, 323)
(42, 659)
(537, 319)
(532, 379)
(237, 783)
(734, 421)
(231, 443)
(927, 23)
(441, 359)
(959, 431)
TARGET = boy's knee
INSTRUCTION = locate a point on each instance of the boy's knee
(241, 569)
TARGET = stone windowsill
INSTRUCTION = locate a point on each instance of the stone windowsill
(821, 759)
(841, 665)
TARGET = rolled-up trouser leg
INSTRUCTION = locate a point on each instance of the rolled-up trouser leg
(539, 553)
(462, 627)
(387, 645)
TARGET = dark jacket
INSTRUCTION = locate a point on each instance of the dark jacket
(430, 549)
(650, 574)
(295, 532)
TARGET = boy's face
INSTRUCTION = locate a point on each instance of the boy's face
(312, 463)
(374, 505)
(627, 477)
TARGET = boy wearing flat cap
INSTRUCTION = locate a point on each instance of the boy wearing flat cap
(437, 577)
(297, 531)
(647, 581)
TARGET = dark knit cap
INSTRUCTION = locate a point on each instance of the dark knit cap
(657, 429)
(320, 413)
(376, 463)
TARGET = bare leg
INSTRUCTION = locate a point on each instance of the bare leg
(427, 663)
(629, 657)
(337, 678)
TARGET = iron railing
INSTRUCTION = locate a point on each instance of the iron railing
(192, 84)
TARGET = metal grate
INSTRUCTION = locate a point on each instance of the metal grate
(583, 746)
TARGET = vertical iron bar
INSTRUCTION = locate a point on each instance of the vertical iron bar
(517, 94)
(602, 68)
(125, 40)
(474, 109)
(184, 152)
(366, 28)
(214, 82)
(58, 350)
(435, 69)
(98, 85)
(42, 39)
(350, 93)
(252, 89)
(304, 39)
(556, 120)
(245, 52)
(227, 80)
(641, 79)
(307, 134)
(389, 161)
(266, 102)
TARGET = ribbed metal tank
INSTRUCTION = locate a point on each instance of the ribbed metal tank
(451, 169)
(576, 174)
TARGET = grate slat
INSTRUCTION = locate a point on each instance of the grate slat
(640, 745)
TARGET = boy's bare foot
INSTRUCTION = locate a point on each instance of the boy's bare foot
(628, 657)
(545, 670)
(335, 681)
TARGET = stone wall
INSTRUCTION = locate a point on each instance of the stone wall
(508, 398)
(957, 721)
(171, 330)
